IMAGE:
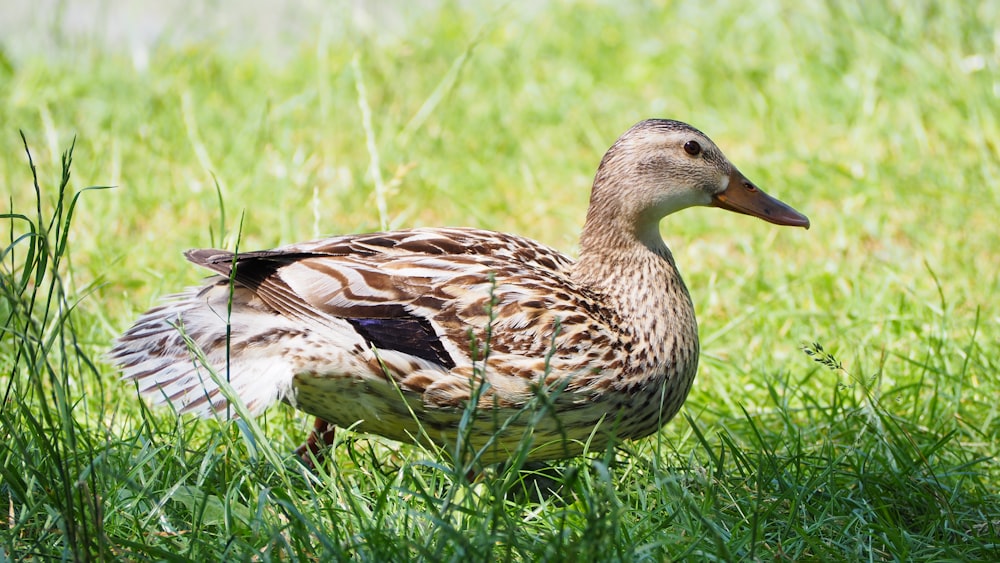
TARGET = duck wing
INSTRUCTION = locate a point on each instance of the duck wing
(419, 306)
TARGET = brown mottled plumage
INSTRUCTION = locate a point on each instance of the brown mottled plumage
(397, 332)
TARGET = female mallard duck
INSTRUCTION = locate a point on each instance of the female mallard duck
(397, 333)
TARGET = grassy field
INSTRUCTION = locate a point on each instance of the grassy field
(846, 405)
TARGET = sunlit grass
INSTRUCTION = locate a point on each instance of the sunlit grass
(846, 401)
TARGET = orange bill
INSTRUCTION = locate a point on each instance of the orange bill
(742, 196)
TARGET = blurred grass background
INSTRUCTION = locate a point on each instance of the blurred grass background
(876, 119)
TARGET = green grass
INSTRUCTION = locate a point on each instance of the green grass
(846, 405)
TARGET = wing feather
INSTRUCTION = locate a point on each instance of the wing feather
(437, 296)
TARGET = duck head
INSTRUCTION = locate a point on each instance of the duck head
(661, 166)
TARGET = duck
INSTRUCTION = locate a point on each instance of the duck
(445, 336)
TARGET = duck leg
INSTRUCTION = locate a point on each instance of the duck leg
(319, 440)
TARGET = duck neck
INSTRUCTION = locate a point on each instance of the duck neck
(634, 274)
(628, 263)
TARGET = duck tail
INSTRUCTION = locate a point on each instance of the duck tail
(186, 351)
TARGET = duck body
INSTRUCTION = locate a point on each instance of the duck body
(406, 333)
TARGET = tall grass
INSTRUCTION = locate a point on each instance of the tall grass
(49, 454)
(845, 408)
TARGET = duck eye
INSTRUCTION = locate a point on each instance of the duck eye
(692, 148)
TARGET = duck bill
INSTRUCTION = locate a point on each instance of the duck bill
(742, 196)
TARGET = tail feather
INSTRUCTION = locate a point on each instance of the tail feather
(173, 350)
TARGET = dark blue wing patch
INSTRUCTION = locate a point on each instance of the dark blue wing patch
(408, 334)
